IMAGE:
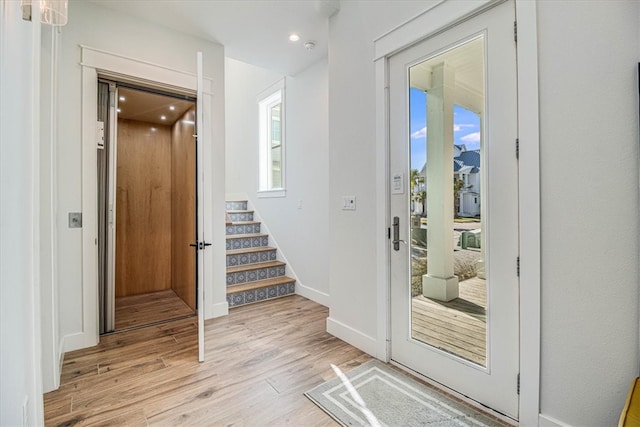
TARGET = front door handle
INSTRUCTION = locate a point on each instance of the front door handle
(396, 234)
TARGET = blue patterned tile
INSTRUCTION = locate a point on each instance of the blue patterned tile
(250, 296)
(230, 279)
(238, 298)
(261, 294)
(291, 287)
(282, 290)
(272, 291)
(252, 276)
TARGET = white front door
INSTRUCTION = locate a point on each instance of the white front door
(454, 278)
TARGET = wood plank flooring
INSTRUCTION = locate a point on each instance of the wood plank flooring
(138, 310)
(259, 361)
(458, 326)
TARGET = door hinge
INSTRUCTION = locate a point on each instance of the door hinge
(388, 232)
(517, 148)
(518, 384)
(518, 266)
(515, 31)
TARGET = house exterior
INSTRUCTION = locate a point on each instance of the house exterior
(586, 284)
(466, 168)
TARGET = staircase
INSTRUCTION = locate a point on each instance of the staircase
(253, 272)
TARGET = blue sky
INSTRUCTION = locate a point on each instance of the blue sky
(466, 126)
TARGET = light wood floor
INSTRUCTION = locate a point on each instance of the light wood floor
(259, 361)
(137, 310)
(458, 326)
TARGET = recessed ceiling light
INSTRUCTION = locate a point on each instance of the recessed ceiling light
(163, 117)
(153, 129)
(122, 98)
(118, 110)
(293, 37)
(188, 122)
(172, 108)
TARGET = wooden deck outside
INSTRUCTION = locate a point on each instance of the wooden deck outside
(458, 326)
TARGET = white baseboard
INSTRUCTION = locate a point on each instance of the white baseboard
(73, 342)
(218, 310)
(547, 421)
(312, 294)
(355, 338)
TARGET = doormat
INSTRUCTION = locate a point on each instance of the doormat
(374, 394)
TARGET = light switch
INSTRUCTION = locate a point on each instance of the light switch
(348, 203)
(75, 219)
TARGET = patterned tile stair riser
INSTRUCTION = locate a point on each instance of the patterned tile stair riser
(247, 242)
(254, 275)
(251, 258)
(253, 272)
(240, 216)
(262, 294)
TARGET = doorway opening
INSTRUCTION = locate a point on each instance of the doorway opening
(147, 223)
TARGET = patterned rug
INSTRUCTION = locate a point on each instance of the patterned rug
(374, 395)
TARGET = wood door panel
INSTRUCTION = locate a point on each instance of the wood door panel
(143, 208)
(183, 203)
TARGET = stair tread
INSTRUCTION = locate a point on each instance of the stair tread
(245, 236)
(235, 211)
(259, 284)
(250, 250)
(256, 266)
(236, 201)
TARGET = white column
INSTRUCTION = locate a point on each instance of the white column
(440, 283)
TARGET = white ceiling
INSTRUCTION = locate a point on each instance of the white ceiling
(252, 31)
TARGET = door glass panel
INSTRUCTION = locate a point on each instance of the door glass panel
(448, 279)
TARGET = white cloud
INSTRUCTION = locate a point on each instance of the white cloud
(472, 137)
(457, 127)
(422, 133)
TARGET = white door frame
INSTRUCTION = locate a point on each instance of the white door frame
(95, 61)
(437, 18)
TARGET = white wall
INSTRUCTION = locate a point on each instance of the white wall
(589, 208)
(352, 164)
(20, 382)
(301, 233)
(589, 187)
(101, 28)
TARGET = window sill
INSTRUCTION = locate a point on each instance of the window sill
(264, 194)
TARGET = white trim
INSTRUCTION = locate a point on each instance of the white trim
(72, 342)
(529, 191)
(267, 194)
(434, 20)
(218, 310)
(547, 421)
(273, 95)
(354, 337)
(93, 62)
(382, 210)
(90, 311)
(312, 294)
(430, 22)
